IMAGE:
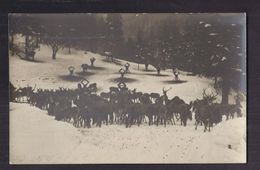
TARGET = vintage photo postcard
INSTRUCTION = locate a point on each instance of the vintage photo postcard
(95, 88)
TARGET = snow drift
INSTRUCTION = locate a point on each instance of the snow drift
(36, 138)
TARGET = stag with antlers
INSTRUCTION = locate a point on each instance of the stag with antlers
(122, 72)
(84, 67)
(206, 111)
(209, 97)
(165, 93)
(71, 70)
(127, 65)
(176, 74)
(92, 60)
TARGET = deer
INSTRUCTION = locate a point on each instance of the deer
(71, 70)
(206, 111)
(84, 67)
(165, 93)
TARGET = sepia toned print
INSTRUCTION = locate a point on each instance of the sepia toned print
(127, 88)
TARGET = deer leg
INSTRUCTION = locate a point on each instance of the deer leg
(139, 119)
(205, 126)
(127, 123)
(185, 122)
(157, 121)
(173, 120)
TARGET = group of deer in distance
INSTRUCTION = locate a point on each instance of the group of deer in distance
(83, 107)
(84, 67)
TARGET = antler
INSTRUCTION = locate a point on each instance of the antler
(121, 70)
(214, 95)
(165, 91)
(169, 88)
(34, 87)
(211, 96)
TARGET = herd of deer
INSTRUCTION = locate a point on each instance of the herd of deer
(83, 107)
(84, 67)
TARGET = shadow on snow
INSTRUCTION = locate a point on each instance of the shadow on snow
(71, 78)
(157, 75)
(85, 73)
(97, 68)
(174, 81)
(125, 80)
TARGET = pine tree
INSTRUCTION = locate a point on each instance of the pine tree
(220, 55)
(114, 33)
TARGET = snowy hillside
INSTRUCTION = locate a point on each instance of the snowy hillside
(48, 73)
(38, 138)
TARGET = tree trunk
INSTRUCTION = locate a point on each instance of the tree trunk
(158, 71)
(55, 49)
(54, 55)
(225, 92)
(69, 50)
(37, 42)
(26, 46)
(215, 81)
(146, 67)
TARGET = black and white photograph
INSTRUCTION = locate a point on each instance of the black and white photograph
(132, 88)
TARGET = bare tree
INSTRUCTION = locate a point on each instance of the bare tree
(55, 43)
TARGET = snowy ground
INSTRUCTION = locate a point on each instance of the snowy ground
(36, 137)
(48, 73)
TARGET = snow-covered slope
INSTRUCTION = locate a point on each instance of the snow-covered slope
(48, 73)
(36, 137)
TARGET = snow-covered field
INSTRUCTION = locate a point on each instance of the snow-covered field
(36, 137)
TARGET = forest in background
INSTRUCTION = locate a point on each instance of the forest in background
(211, 45)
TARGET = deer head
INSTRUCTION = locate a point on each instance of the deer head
(84, 82)
(165, 91)
(209, 97)
(121, 71)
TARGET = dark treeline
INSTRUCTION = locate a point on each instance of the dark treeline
(211, 45)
